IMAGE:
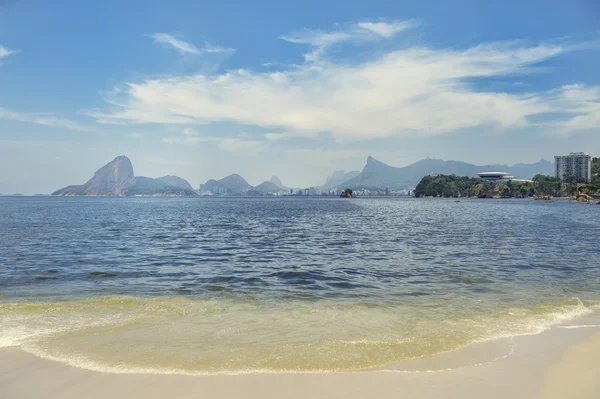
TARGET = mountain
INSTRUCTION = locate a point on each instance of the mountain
(339, 177)
(114, 178)
(377, 175)
(117, 178)
(276, 181)
(528, 171)
(266, 187)
(233, 183)
(176, 181)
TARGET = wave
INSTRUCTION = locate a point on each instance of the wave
(176, 335)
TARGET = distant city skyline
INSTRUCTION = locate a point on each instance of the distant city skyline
(206, 90)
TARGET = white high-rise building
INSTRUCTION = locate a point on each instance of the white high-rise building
(578, 164)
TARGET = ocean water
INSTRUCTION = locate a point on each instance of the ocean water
(237, 285)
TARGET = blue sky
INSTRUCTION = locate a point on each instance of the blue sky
(205, 89)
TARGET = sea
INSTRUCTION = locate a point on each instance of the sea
(286, 284)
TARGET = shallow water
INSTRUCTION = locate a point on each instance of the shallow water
(285, 284)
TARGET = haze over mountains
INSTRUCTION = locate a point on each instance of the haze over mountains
(117, 178)
(339, 177)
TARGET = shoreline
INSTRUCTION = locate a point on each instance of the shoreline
(560, 362)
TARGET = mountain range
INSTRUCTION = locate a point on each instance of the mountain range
(236, 184)
(117, 178)
(377, 175)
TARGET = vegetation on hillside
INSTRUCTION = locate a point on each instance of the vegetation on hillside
(596, 171)
(458, 186)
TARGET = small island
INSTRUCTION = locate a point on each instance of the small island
(346, 194)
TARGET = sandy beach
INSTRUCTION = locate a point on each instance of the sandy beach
(562, 362)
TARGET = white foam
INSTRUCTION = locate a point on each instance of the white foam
(511, 352)
(581, 326)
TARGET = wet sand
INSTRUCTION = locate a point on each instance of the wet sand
(558, 363)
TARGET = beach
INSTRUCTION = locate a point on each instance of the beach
(562, 362)
(232, 298)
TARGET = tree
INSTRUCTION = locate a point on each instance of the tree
(523, 191)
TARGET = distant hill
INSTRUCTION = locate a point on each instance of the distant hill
(377, 175)
(116, 178)
(276, 181)
(233, 183)
(266, 187)
(176, 181)
(339, 177)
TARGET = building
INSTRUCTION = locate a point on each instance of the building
(495, 177)
(500, 177)
(578, 164)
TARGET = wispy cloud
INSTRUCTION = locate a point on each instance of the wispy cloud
(185, 47)
(170, 162)
(45, 120)
(5, 52)
(415, 91)
(320, 41)
(386, 29)
(189, 137)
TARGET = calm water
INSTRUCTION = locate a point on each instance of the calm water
(290, 284)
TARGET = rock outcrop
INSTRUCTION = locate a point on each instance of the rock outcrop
(114, 178)
(583, 198)
(346, 194)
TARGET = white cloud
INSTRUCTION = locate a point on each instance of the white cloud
(580, 101)
(185, 47)
(5, 52)
(240, 146)
(416, 91)
(45, 120)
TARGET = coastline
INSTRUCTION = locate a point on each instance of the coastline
(557, 363)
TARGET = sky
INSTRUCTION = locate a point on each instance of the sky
(294, 89)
